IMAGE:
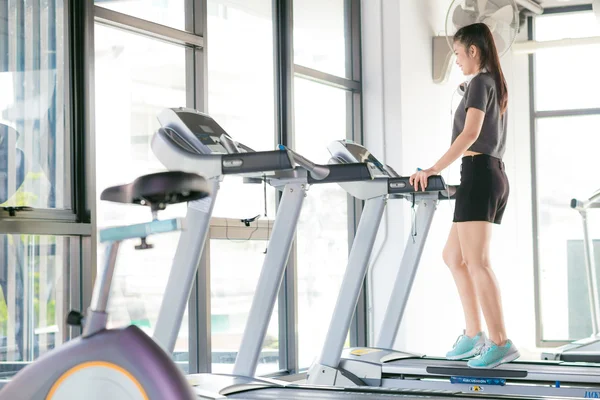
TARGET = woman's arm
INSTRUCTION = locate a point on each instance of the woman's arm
(467, 137)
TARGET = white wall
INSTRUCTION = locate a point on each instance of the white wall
(407, 123)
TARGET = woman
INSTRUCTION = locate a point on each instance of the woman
(479, 135)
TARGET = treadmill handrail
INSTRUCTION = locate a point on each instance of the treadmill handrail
(316, 171)
(338, 173)
(216, 165)
(592, 202)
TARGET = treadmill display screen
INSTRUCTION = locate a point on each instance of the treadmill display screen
(205, 139)
(205, 129)
(361, 154)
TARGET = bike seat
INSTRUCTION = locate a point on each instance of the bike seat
(159, 190)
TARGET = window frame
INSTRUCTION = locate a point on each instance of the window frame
(286, 70)
(73, 223)
(192, 38)
(70, 286)
(27, 220)
(534, 116)
(196, 97)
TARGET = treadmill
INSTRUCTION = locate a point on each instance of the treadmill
(192, 141)
(382, 366)
(587, 349)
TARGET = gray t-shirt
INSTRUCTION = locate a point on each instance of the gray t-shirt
(481, 94)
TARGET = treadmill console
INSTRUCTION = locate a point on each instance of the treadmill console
(196, 132)
(346, 151)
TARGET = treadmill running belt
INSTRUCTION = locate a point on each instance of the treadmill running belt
(295, 394)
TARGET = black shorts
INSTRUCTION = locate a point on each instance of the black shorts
(483, 191)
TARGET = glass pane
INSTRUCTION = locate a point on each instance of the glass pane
(321, 35)
(164, 12)
(235, 268)
(138, 287)
(34, 291)
(566, 25)
(241, 99)
(557, 85)
(565, 308)
(34, 144)
(322, 234)
(126, 64)
(241, 93)
(125, 124)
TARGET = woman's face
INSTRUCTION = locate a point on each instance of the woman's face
(467, 60)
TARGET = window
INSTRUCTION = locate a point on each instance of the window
(241, 94)
(561, 82)
(565, 164)
(34, 144)
(565, 307)
(322, 235)
(321, 35)
(242, 90)
(132, 87)
(235, 267)
(241, 99)
(35, 171)
(34, 284)
(125, 123)
(164, 12)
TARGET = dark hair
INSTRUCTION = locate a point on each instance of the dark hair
(481, 37)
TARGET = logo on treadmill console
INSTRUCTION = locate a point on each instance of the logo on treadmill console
(591, 395)
(232, 163)
(476, 388)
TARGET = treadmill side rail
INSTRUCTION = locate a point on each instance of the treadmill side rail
(485, 391)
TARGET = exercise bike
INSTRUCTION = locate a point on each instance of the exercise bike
(123, 363)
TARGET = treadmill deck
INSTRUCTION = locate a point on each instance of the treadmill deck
(362, 394)
(527, 371)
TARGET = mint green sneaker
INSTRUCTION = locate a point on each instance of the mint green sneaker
(467, 347)
(493, 355)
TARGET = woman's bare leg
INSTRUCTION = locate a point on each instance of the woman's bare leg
(453, 258)
(474, 237)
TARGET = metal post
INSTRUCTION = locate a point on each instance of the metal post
(406, 274)
(97, 316)
(184, 268)
(358, 263)
(270, 279)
